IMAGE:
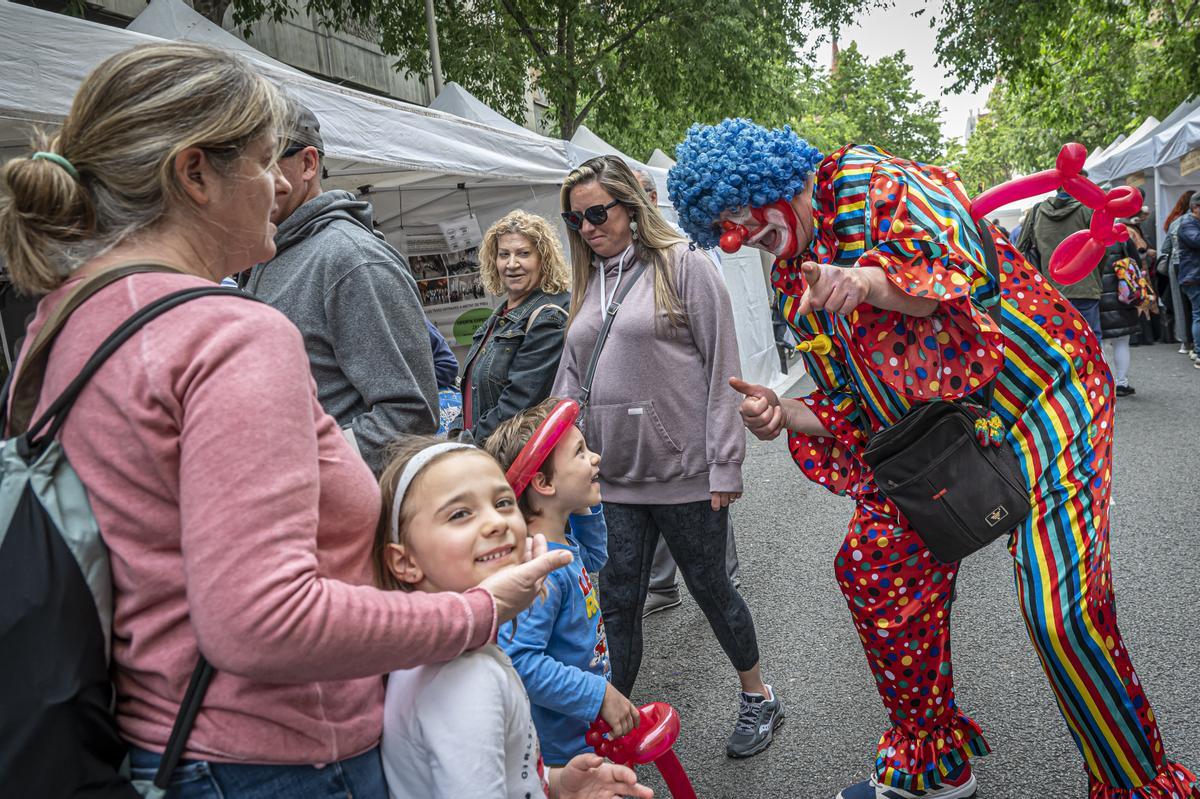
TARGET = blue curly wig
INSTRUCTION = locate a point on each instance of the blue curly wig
(734, 164)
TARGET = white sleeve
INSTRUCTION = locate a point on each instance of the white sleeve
(462, 718)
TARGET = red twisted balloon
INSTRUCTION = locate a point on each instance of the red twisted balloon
(541, 444)
(649, 742)
(1079, 253)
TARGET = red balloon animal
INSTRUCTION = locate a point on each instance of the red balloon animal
(649, 742)
(1081, 251)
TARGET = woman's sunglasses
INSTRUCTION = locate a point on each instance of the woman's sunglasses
(597, 215)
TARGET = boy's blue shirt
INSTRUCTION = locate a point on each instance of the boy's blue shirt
(560, 649)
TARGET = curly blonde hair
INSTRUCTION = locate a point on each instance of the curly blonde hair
(555, 277)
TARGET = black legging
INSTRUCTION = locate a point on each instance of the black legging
(695, 534)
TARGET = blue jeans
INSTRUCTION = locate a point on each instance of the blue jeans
(1090, 310)
(1192, 290)
(358, 777)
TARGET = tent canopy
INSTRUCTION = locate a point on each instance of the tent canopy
(1143, 154)
(456, 100)
(173, 19)
(660, 159)
(584, 141)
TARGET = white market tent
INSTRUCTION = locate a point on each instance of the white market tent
(418, 166)
(456, 100)
(660, 159)
(586, 142)
(1139, 164)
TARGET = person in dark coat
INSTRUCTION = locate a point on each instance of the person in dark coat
(1118, 321)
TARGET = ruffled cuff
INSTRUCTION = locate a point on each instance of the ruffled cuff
(947, 355)
(1173, 781)
(832, 460)
(920, 763)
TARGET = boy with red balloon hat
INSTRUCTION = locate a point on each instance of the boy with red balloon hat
(881, 267)
(559, 647)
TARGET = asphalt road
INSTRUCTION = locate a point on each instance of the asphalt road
(788, 530)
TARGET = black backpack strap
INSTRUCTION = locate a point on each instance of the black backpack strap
(56, 414)
(27, 388)
(182, 728)
(585, 388)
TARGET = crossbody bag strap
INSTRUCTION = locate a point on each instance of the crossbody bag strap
(26, 387)
(991, 262)
(585, 388)
(188, 710)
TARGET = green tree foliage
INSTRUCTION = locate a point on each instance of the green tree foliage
(639, 72)
(1084, 70)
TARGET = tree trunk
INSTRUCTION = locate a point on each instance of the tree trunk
(212, 10)
(568, 101)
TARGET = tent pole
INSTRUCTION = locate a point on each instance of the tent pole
(434, 54)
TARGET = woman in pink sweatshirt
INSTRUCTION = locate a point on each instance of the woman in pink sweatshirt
(239, 520)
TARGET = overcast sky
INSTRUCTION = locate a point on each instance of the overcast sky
(883, 32)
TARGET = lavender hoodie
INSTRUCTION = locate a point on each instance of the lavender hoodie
(662, 414)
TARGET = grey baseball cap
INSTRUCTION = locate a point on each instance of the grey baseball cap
(305, 128)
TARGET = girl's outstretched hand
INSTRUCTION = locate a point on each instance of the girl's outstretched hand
(593, 777)
(514, 588)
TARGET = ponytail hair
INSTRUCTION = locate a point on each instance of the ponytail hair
(130, 118)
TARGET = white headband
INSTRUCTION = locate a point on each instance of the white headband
(410, 472)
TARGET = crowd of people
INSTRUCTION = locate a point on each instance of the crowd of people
(389, 612)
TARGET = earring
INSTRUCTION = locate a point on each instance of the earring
(633, 228)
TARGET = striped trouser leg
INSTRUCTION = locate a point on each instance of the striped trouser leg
(1064, 582)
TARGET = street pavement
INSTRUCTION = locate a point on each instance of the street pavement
(788, 530)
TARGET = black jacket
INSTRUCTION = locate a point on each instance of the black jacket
(1188, 242)
(510, 368)
(1116, 319)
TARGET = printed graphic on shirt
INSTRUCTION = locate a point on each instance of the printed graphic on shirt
(592, 599)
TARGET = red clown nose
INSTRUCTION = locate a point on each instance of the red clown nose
(732, 238)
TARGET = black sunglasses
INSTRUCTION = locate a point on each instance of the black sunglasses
(597, 215)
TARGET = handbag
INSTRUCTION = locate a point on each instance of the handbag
(948, 468)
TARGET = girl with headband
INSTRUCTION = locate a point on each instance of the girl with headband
(464, 728)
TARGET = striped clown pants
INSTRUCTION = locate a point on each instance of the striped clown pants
(900, 599)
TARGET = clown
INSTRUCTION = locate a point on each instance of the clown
(880, 268)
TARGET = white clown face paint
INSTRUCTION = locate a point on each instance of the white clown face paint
(772, 228)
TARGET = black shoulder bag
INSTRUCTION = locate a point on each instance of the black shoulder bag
(958, 493)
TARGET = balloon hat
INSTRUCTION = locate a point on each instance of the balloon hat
(1077, 256)
(541, 444)
(649, 742)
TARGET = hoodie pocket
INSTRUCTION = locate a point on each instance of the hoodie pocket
(634, 445)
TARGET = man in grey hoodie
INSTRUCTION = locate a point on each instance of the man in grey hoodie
(1043, 229)
(356, 304)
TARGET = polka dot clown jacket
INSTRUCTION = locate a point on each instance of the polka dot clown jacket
(912, 220)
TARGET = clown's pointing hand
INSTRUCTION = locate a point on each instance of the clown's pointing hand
(835, 289)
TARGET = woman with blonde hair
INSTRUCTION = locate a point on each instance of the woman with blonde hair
(663, 416)
(238, 518)
(515, 353)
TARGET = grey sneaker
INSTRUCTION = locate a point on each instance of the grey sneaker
(757, 719)
(661, 600)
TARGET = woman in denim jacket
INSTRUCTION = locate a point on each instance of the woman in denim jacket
(515, 353)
